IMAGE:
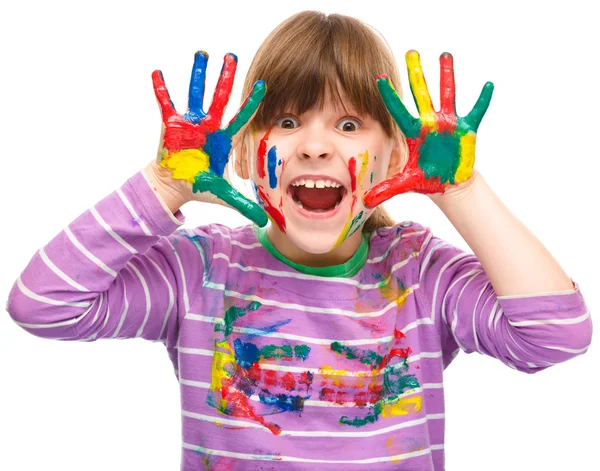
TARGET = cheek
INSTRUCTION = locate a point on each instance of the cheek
(269, 161)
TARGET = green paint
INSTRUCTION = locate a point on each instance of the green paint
(409, 125)
(301, 351)
(248, 108)
(208, 181)
(270, 352)
(440, 156)
(371, 417)
(372, 175)
(234, 313)
(473, 119)
(354, 221)
(367, 357)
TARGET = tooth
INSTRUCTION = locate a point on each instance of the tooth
(299, 204)
(320, 183)
(309, 183)
(327, 183)
(336, 204)
(301, 182)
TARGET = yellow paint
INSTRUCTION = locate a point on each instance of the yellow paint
(223, 367)
(186, 164)
(467, 157)
(419, 90)
(327, 370)
(361, 173)
(390, 292)
(404, 406)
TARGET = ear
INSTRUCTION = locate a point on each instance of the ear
(241, 160)
(398, 157)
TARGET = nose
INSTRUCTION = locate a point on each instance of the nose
(315, 145)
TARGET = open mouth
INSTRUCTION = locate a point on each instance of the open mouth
(317, 196)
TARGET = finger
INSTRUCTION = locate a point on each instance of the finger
(248, 108)
(207, 181)
(418, 86)
(447, 85)
(474, 118)
(214, 116)
(197, 83)
(167, 108)
(383, 191)
(409, 125)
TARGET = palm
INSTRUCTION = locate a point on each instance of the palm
(195, 148)
(441, 145)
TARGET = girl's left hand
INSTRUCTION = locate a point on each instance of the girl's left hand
(441, 145)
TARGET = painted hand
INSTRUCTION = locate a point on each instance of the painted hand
(441, 145)
(195, 149)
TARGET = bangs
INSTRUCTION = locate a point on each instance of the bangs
(311, 56)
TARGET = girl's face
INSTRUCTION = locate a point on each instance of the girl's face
(310, 173)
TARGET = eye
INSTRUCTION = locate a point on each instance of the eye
(287, 122)
(348, 125)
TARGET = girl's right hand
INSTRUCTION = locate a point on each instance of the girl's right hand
(194, 150)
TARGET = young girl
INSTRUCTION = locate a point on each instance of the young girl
(317, 341)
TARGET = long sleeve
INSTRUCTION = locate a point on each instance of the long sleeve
(527, 333)
(111, 273)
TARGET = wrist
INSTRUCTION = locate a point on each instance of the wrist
(458, 192)
(171, 198)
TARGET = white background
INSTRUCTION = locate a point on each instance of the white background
(79, 117)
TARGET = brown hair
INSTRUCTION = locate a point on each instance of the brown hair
(308, 55)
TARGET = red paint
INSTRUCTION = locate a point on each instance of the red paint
(306, 379)
(447, 121)
(352, 170)
(275, 214)
(270, 377)
(398, 334)
(288, 382)
(411, 179)
(400, 352)
(212, 122)
(262, 152)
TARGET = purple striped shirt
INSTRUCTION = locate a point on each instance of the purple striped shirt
(283, 366)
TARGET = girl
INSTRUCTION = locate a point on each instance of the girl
(318, 341)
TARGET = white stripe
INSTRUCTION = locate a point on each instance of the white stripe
(112, 233)
(182, 275)
(300, 307)
(320, 279)
(567, 350)
(415, 324)
(195, 384)
(573, 320)
(395, 241)
(88, 254)
(247, 456)
(98, 309)
(146, 295)
(245, 246)
(550, 293)
(132, 211)
(43, 299)
(57, 271)
(125, 309)
(171, 298)
(280, 335)
(56, 324)
(475, 310)
(472, 274)
(195, 351)
(303, 433)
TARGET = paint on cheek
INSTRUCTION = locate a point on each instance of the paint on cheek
(260, 156)
(352, 170)
(372, 175)
(274, 214)
(272, 165)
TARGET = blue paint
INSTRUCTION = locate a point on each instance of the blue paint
(272, 166)
(246, 354)
(256, 197)
(196, 93)
(218, 146)
(283, 402)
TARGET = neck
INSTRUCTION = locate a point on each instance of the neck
(341, 254)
